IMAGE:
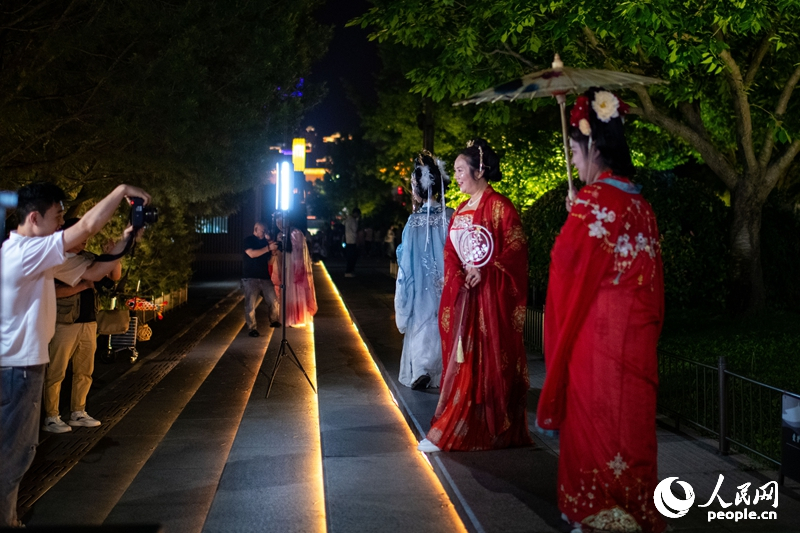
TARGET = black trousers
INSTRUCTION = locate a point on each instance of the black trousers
(351, 255)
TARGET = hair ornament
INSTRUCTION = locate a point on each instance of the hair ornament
(606, 106)
(442, 171)
(579, 116)
(425, 179)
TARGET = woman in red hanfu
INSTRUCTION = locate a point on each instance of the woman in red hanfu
(605, 308)
(482, 404)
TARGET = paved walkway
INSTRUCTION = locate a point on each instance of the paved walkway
(190, 442)
(514, 490)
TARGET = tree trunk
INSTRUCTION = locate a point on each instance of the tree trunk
(748, 294)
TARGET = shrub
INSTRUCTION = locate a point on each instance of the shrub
(780, 253)
(693, 224)
(542, 222)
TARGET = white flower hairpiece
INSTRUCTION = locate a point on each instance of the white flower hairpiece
(606, 105)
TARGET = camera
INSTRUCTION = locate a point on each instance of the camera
(142, 215)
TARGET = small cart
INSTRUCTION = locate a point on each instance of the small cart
(124, 341)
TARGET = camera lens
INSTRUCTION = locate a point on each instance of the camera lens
(150, 215)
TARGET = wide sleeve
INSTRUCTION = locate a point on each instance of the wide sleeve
(579, 261)
(511, 247)
(404, 288)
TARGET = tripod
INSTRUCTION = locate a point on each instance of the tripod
(286, 348)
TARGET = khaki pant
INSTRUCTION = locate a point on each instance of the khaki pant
(75, 342)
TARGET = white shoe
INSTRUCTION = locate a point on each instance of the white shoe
(427, 446)
(82, 419)
(575, 527)
(54, 424)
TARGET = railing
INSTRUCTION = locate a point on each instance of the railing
(688, 392)
(739, 411)
(533, 330)
(173, 299)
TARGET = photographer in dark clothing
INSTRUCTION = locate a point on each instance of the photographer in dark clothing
(255, 277)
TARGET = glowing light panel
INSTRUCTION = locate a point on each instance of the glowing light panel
(299, 154)
(283, 198)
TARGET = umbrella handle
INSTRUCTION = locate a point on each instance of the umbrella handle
(562, 103)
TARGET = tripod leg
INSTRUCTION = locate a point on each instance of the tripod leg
(281, 354)
(296, 361)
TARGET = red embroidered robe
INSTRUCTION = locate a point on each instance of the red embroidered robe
(483, 399)
(603, 316)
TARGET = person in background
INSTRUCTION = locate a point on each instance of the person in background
(301, 300)
(388, 244)
(420, 276)
(28, 318)
(605, 308)
(75, 338)
(256, 278)
(484, 390)
(351, 242)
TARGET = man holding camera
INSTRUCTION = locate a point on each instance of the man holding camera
(255, 278)
(75, 338)
(28, 318)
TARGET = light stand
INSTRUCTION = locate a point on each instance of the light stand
(283, 203)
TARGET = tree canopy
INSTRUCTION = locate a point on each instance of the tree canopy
(183, 98)
(184, 95)
(732, 68)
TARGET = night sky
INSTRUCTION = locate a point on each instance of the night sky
(351, 60)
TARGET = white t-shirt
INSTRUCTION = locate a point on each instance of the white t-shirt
(72, 269)
(28, 316)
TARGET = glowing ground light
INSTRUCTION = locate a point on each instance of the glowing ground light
(458, 524)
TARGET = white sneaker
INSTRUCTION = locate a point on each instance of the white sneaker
(427, 446)
(54, 424)
(82, 419)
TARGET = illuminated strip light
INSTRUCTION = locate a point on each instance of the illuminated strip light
(317, 471)
(422, 457)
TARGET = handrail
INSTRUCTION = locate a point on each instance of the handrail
(712, 398)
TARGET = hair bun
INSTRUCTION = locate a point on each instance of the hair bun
(481, 157)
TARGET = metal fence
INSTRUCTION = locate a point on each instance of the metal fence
(172, 300)
(533, 332)
(688, 392)
(739, 411)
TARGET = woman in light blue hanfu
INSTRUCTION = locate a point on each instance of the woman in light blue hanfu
(420, 276)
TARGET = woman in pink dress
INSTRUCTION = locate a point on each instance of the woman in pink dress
(301, 300)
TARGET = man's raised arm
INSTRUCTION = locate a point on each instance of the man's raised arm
(97, 217)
